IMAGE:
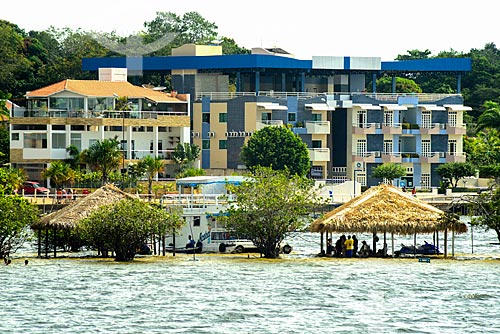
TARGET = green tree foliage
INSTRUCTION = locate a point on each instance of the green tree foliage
(490, 118)
(454, 171)
(486, 208)
(269, 207)
(151, 167)
(124, 226)
(484, 148)
(185, 155)
(188, 172)
(16, 216)
(4, 145)
(60, 173)
(11, 180)
(104, 156)
(74, 159)
(389, 171)
(403, 85)
(276, 147)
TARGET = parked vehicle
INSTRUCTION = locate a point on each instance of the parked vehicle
(32, 187)
(425, 249)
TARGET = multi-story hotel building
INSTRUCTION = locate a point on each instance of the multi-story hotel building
(325, 101)
(81, 112)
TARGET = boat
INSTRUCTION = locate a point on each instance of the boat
(203, 200)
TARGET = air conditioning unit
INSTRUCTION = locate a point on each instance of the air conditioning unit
(249, 134)
(242, 133)
(442, 154)
(194, 134)
(234, 134)
(211, 134)
(442, 126)
(359, 165)
(377, 154)
(226, 134)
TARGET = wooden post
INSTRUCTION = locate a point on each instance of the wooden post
(453, 242)
(47, 242)
(437, 241)
(415, 244)
(392, 237)
(55, 242)
(163, 242)
(40, 242)
(446, 243)
(173, 241)
(321, 243)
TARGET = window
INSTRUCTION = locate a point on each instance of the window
(59, 140)
(205, 144)
(388, 118)
(222, 117)
(317, 172)
(388, 147)
(426, 148)
(205, 117)
(361, 147)
(452, 147)
(223, 144)
(426, 119)
(361, 119)
(76, 140)
(316, 117)
(316, 144)
(59, 127)
(92, 142)
(266, 116)
(35, 140)
(452, 118)
(292, 117)
(426, 180)
(162, 129)
(78, 128)
(196, 221)
(15, 136)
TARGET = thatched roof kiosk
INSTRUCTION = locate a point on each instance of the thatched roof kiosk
(384, 209)
(69, 216)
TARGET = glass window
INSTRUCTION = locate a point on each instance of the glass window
(223, 144)
(205, 144)
(223, 117)
(316, 144)
(205, 117)
(76, 140)
(15, 136)
(316, 117)
(35, 140)
(59, 140)
(292, 117)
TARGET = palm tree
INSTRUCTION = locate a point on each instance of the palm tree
(74, 160)
(104, 156)
(152, 166)
(490, 118)
(59, 173)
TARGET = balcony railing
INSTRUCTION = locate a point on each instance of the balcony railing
(98, 114)
(318, 127)
(263, 123)
(319, 154)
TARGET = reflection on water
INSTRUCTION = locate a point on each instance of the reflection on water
(238, 294)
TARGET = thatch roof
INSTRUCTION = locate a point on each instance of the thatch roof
(385, 208)
(69, 216)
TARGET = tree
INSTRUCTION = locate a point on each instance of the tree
(403, 85)
(185, 154)
(484, 149)
(75, 157)
(151, 167)
(126, 225)
(4, 145)
(17, 214)
(490, 118)
(104, 156)
(454, 171)
(269, 207)
(11, 180)
(276, 147)
(389, 171)
(59, 172)
(486, 209)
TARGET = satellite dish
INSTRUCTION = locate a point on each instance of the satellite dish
(160, 88)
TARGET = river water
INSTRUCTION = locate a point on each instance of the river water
(299, 293)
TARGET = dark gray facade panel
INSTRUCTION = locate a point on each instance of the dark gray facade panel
(439, 143)
(374, 116)
(338, 128)
(370, 180)
(435, 178)
(374, 143)
(205, 158)
(234, 151)
(439, 116)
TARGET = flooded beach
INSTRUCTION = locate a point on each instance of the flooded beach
(215, 293)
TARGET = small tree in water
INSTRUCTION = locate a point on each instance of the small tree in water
(124, 226)
(269, 207)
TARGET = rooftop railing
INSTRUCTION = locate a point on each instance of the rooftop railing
(98, 114)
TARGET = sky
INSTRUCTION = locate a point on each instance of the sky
(356, 28)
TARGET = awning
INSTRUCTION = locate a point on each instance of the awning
(457, 107)
(367, 106)
(319, 106)
(271, 106)
(393, 107)
(428, 107)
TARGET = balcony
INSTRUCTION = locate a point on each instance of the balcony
(262, 124)
(456, 129)
(392, 129)
(366, 156)
(431, 129)
(58, 113)
(431, 157)
(365, 128)
(455, 157)
(318, 128)
(319, 154)
(391, 157)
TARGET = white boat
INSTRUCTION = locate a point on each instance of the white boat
(201, 212)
